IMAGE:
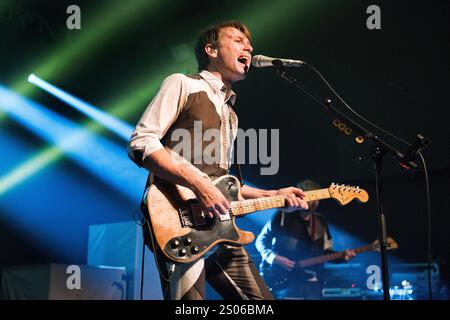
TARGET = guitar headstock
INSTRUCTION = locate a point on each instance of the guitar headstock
(344, 194)
(391, 244)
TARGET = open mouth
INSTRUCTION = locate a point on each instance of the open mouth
(244, 60)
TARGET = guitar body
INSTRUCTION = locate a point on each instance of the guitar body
(180, 228)
(278, 278)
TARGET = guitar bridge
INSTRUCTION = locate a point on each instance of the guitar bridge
(185, 217)
(225, 217)
(193, 216)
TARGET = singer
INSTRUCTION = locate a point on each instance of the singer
(224, 55)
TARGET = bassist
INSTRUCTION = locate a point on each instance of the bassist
(294, 236)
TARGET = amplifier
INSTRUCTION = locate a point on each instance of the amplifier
(341, 293)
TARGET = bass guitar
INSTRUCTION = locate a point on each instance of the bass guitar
(278, 278)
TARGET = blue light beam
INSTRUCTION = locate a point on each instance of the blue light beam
(122, 129)
(106, 160)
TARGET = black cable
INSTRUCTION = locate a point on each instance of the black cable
(142, 268)
(351, 109)
(429, 247)
(143, 222)
(139, 219)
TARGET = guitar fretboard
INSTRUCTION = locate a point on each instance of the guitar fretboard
(331, 257)
(244, 207)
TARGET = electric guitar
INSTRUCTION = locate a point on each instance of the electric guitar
(278, 278)
(184, 232)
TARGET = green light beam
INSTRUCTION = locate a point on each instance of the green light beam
(132, 102)
(115, 19)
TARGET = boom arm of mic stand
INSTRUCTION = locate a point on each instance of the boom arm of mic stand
(327, 103)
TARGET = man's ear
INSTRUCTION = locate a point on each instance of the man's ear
(211, 51)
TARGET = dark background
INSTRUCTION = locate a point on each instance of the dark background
(397, 77)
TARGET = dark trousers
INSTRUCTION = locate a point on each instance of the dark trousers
(230, 271)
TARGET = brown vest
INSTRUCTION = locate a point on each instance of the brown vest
(198, 108)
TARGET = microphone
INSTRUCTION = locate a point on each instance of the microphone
(408, 160)
(261, 61)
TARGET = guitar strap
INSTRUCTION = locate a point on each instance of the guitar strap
(238, 166)
(239, 174)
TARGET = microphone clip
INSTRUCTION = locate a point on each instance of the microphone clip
(408, 161)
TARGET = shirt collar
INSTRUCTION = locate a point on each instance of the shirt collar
(217, 85)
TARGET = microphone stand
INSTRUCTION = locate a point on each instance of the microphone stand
(377, 154)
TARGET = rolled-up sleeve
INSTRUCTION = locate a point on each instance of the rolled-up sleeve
(161, 113)
(264, 243)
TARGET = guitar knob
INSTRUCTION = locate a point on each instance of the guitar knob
(187, 241)
(182, 252)
(195, 250)
(175, 244)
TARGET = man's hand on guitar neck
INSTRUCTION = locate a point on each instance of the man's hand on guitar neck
(284, 262)
(294, 198)
(348, 254)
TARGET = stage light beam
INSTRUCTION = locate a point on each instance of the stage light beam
(106, 160)
(117, 126)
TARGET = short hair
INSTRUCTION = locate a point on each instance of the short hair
(211, 35)
(308, 185)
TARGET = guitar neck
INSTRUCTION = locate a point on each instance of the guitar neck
(240, 208)
(331, 257)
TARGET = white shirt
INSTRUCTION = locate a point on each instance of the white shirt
(168, 104)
